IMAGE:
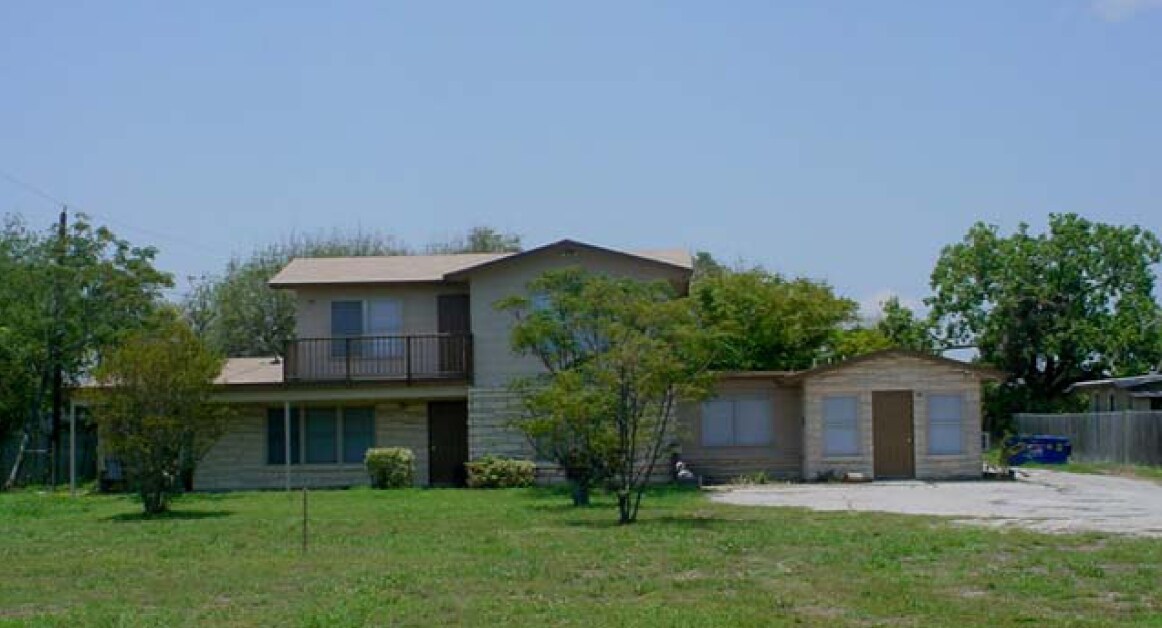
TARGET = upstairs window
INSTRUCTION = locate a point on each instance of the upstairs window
(369, 322)
(737, 422)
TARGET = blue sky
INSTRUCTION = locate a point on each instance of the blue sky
(846, 141)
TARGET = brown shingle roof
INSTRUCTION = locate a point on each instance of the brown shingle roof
(243, 371)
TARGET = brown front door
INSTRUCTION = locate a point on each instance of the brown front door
(892, 420)
(453, 316)
(447, 442)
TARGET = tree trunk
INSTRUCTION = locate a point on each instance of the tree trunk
(626, 513)
(580, 494)
(154, 495)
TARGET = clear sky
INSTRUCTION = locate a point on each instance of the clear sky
(847, 141)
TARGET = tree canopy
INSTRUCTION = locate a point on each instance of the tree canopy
(82, 293)
(1051, 309)
(764, 321)
(619, 354)
(153, 409)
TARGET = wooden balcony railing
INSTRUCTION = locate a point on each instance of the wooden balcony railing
(406, 359)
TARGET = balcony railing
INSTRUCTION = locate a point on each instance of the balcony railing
(406, 359)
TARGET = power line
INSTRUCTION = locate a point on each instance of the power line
(58, 203)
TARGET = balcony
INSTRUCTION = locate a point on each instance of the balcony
(403, 359)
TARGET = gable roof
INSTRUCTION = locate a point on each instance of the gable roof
(309, 271)
(677, 259)
(983, 372)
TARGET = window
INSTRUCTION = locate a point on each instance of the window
(358, 433)
(276, 436)
(945, 424)
(840, 426)
(740, 422)
(373, 318)
(320, 435)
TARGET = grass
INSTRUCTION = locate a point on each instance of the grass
(1141, 472)
(524, 557)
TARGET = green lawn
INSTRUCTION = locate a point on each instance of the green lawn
(524, 557)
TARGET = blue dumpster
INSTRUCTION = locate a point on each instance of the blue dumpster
(1041, 449)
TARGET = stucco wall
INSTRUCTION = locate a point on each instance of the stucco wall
(238, 460)
(893, 372)
(783, 458)
(495, 362)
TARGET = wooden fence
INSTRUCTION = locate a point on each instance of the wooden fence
(1128, 437)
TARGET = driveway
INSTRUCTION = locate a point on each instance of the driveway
(1048, 501)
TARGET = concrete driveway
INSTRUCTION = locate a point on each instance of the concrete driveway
(1048, 501)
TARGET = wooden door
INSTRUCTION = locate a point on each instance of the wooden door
(892, 428)
(447, 442)
(453, 317)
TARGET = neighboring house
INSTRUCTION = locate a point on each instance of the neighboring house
(1143, 392)
(411, 351)
(888, 415)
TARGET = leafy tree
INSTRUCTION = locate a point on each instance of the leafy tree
(239, 314)
(767, 322)
(154, 410)
(65, 300)
(858, 341)
(1050, 309)
(903, 329)
(618, 355)
(479, 240)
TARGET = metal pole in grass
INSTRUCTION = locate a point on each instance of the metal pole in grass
(286, 432)
(72, 448)
(304, 518)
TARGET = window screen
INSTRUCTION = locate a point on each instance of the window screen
(840, 426)
(346, 322)
(945, 424)
(358, 433)
(322, 437)
(737, 422)
(276, 436)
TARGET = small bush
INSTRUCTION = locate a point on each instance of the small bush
(758, 477)
(496, 472)
(391, 467)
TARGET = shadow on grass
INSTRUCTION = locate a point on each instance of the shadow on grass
(173, 515)
(692, 522)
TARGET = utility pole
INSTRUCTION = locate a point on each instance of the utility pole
(55, 350)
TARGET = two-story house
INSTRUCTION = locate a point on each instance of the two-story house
(411, 351)
(395, 351)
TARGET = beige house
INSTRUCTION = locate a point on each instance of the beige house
(410, 351)
(887, 415)
(395, 351)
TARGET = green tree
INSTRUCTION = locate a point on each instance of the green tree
(767, 322)
(903, 329)
(858, 341)
(1050, 309)
(479, 240)
(154, 411)
(65, 300)
(618, 356)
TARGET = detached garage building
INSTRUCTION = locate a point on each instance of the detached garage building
(889, 415)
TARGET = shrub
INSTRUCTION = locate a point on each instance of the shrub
(391, 467)
(496, 472)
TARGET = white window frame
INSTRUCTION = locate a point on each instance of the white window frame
(734, 440)
(299, 417)
(942, 422)
(830, 423)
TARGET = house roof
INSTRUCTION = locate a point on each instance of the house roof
(250, 371)
(1119, 382)
(308, 271)
(983, 371)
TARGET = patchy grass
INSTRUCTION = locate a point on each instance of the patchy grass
(1137, 471)
(524, 557)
